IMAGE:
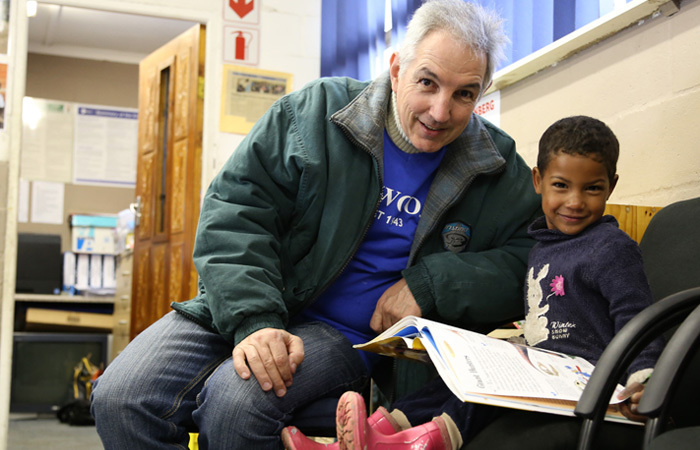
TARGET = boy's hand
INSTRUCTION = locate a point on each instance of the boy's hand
(629, 407)
(272, 355)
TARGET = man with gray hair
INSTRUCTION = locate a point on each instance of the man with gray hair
(336, 216)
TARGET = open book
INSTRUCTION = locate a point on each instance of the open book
(482, 369)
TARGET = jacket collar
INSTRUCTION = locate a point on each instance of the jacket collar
(472, 153)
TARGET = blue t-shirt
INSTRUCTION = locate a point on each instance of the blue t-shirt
(348, 304)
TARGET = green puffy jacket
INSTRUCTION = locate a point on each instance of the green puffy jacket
(290, 207)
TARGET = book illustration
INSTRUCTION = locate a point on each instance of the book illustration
(536, 329)
(482, 369)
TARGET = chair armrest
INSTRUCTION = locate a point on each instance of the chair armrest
(669, 368)
(619, 354)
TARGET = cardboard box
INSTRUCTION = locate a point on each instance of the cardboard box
(89, 220)
(38, 318)
(93, 234)
(93, 240)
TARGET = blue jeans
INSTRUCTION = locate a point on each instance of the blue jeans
(177, 375)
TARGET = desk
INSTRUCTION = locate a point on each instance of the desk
(64, 298)
(63, 313)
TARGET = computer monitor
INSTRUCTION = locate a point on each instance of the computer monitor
(39, 264)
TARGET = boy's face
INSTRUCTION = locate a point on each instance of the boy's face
(574, 190)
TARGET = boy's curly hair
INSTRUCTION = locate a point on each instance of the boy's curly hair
(580, 135)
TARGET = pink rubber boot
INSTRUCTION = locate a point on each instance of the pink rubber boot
(354, 434)
(381, 420)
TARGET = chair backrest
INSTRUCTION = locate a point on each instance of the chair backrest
(671, 251)
(669, 369)
(671, 248)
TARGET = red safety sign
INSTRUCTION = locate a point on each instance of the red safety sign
(241, 45)
(246, 11)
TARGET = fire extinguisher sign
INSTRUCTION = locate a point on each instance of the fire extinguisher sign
(242, 11)
(241, 45)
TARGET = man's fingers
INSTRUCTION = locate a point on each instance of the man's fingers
(239, 363)
(272, 356)
(394, 304)
(376, 322)
(264, 363)
(277, 365)
(296, 352)
(255, 362)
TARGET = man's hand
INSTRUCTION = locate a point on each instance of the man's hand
(272, 355)
(629, 407)
(395, 303)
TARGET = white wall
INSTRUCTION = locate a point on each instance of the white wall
(645, 84)
(290, 42)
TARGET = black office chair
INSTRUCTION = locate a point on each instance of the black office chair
(674, 363)
(671, 250)
(634, 336)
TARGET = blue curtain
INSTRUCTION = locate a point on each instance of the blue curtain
(353, 40)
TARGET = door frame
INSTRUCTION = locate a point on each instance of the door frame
(17, 71)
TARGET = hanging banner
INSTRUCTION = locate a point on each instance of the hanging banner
(105, 146)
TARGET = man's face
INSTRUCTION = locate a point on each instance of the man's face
(437, 92)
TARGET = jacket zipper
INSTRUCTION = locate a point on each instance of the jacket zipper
(367, 226)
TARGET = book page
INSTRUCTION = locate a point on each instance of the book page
(481, 364)
(482, 369)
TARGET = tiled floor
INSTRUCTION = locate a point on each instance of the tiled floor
(29, 432)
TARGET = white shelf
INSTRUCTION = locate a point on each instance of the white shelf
(63, 298)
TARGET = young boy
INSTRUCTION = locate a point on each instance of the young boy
(585, 282)
(585, 276)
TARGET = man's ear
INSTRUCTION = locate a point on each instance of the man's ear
(537, 180)
(394, 67)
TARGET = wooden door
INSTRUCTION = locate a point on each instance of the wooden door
(168, 177)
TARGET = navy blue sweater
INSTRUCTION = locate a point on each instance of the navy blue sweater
(582, 289)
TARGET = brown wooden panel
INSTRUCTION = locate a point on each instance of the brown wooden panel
(159, 278)
(182, 93)
(175, 279)
(148, 108)
(178, 185)
(632, 219)
(140, 293)
(144, 190)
